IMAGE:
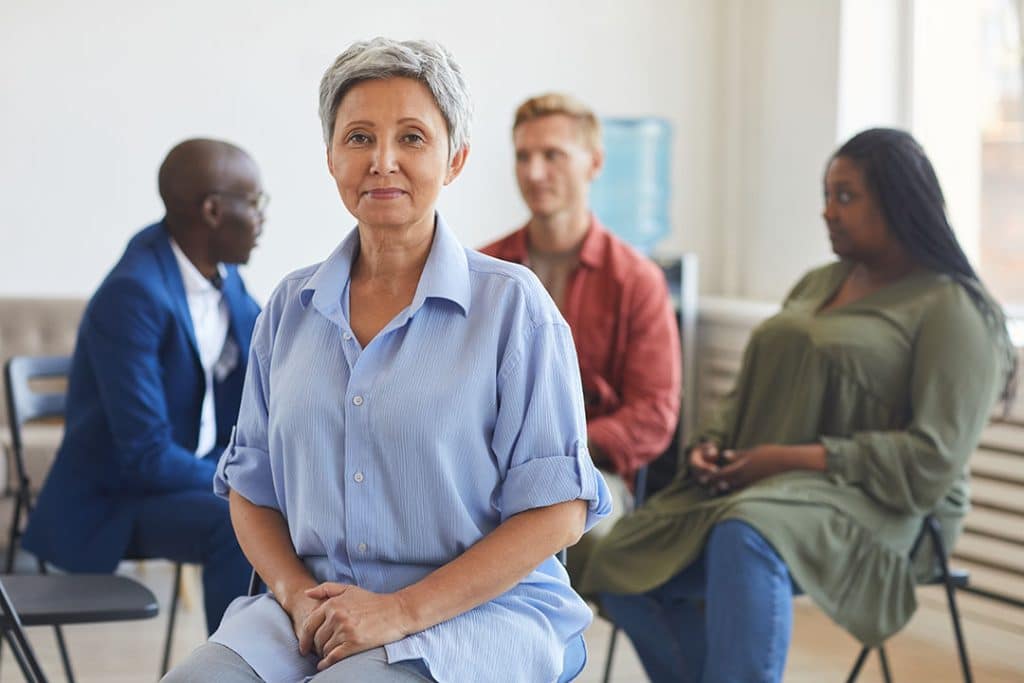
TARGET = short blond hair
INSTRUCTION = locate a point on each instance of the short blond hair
(554, 103)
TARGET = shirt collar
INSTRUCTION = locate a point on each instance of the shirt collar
(595, 244)
(194, 281)
(445, 274)
(592, 250)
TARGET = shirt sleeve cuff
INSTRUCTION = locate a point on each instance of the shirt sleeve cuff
(603, 435)
(547, 481)
(840, 459)
(245, 469)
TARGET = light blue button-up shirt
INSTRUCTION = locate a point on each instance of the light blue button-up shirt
(390, 461)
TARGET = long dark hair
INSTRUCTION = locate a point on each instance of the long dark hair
(904, 183)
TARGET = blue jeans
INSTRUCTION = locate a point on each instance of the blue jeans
(726, 618)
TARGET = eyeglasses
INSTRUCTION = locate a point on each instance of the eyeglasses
(257, 202)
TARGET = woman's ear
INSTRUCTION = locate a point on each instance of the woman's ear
(457, 163)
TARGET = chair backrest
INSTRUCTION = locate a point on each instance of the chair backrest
(681, 274)
(26, 404)
(32, 326)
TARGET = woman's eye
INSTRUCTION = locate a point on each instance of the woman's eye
(358, 138)
(844, 197)
(414, 138)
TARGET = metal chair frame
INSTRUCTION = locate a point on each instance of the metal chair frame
(683, 286)
(23, 406)
(14, 634)
(950, 580)
(50, 600)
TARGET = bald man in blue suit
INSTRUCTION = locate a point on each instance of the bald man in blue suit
(155, 385)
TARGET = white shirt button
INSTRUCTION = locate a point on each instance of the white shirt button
(357, 400)
(362, 547)
(358, 476)
(346, 336)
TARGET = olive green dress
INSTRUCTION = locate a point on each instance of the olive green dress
(897, 386)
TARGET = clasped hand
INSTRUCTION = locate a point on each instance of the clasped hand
(730, 470)
(336, 621)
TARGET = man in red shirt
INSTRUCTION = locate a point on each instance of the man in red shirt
(615, 300)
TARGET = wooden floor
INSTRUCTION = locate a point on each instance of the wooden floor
(821, 652)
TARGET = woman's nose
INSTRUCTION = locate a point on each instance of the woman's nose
(828, 212)
(384, 159)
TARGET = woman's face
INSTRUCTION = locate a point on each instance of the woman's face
(389, 153)
(857, 228)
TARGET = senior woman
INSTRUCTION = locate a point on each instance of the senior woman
(853, 415)
(410, 452)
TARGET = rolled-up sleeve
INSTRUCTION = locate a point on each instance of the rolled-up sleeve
(540, 433)
(245, 465)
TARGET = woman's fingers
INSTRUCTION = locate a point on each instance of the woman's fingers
(322, 636)
(326, 590)
(336, 640)
(312, 623)
(336, 655)
(703, 459)
(731, 476)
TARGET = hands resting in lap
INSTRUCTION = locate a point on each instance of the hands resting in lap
(722, 471)
(336, 621)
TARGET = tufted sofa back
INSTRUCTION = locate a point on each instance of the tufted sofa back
(33, 327)
(37, 327)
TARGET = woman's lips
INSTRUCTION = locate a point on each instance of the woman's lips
(386, 193)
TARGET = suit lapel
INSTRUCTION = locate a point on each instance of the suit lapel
(241, 322)
(176, 288)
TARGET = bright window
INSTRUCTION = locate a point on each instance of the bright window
(1001, 236)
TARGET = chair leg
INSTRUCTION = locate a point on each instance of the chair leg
(961, 643)
(64, 658)
(12, 540)
(24, 655)
(59, 634)
(932, 526)
(169, 639)
(611, 654)
(859, 664)
(883, 659)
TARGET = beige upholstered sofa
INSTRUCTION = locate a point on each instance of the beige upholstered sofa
(33, 327)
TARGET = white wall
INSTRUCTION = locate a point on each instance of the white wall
(760, 92)
(93, 94)
(778, 107)
(875, 65)
(946, 92)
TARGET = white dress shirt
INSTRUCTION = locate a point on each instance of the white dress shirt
(217, 353)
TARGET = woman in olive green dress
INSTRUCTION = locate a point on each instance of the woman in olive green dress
(853, 416)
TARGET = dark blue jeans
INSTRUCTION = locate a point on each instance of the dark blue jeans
(195, 527)
(726, 618)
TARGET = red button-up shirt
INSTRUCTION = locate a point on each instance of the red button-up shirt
(627, 339)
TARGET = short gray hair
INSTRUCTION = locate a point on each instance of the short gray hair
(423, 60)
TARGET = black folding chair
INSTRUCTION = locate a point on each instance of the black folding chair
(950, 579)
(639, 495)
(681, 275)
(25, 404)
(53, 599)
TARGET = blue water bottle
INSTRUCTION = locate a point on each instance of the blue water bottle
(631, 195)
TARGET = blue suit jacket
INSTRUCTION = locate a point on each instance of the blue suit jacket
(133, 410)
